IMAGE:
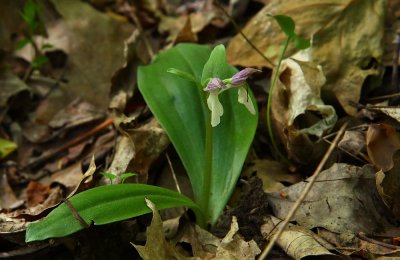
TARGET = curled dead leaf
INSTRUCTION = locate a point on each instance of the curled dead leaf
(382, 142)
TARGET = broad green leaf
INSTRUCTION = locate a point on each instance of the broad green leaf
(178, 106)
(103, 205)
(6, 147)
(286, 23)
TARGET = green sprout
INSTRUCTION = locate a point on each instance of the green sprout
(288, 27)
(30, 14)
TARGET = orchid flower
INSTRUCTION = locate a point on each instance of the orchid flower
(216, 86)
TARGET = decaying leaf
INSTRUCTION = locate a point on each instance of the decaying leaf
(232, 246)
(150, 141)
(298, 242)
(347, 36)
(352, 142)
(94, 43)
(11, 85)
(157, 247)
(341, 201)
(124, 153)
(272, 174)
(388, 186)
(8, 199)
(382, 142)
(297, 109)
(358, 246)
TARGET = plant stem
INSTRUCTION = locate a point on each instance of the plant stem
(269, 123)
(208, 170)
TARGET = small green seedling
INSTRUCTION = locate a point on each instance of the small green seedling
(30, 14)
(209, 114)
(123, 176)
(288, 27)
(111, 177)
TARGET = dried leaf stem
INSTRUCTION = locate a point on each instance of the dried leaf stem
(303, 195)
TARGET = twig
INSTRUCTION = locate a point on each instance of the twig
(76, 141)
(303, 195)
(237, 28)
(173, 174)
(76, 214)
(362, 236)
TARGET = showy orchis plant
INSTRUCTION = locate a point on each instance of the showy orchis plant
(288, 26)
(210, 125)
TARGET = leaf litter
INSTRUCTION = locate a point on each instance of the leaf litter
(82, 109)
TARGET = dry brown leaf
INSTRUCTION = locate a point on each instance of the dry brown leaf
(124, 154)
(150, 141)
(340, 201)
(232, 246)
(388, 186)
(157, 247)
(298, 112)
(352, 142)
(382, 142)
(8, 199)
(351, 245)
(94, 43)
(272, 174)
(347, 36)
(298, 242)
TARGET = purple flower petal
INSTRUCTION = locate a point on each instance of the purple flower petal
(215, 84)
(240, 78)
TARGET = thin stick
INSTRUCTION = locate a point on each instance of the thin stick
(40, 160)
(173, 174)
(303, 195)
(364, 237)
(237, 28)
(76, 214)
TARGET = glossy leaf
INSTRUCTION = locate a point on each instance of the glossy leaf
(178, 106)
(105, 204)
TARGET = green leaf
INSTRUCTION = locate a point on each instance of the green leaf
(126, 175)
(301, 43)
(22, 43)
(6, 147)
(178, 106)
(29, 13)
(103, 205)
(39, 61)
(47, 46)
(286, 23)
(183, 75)
(109, 175)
